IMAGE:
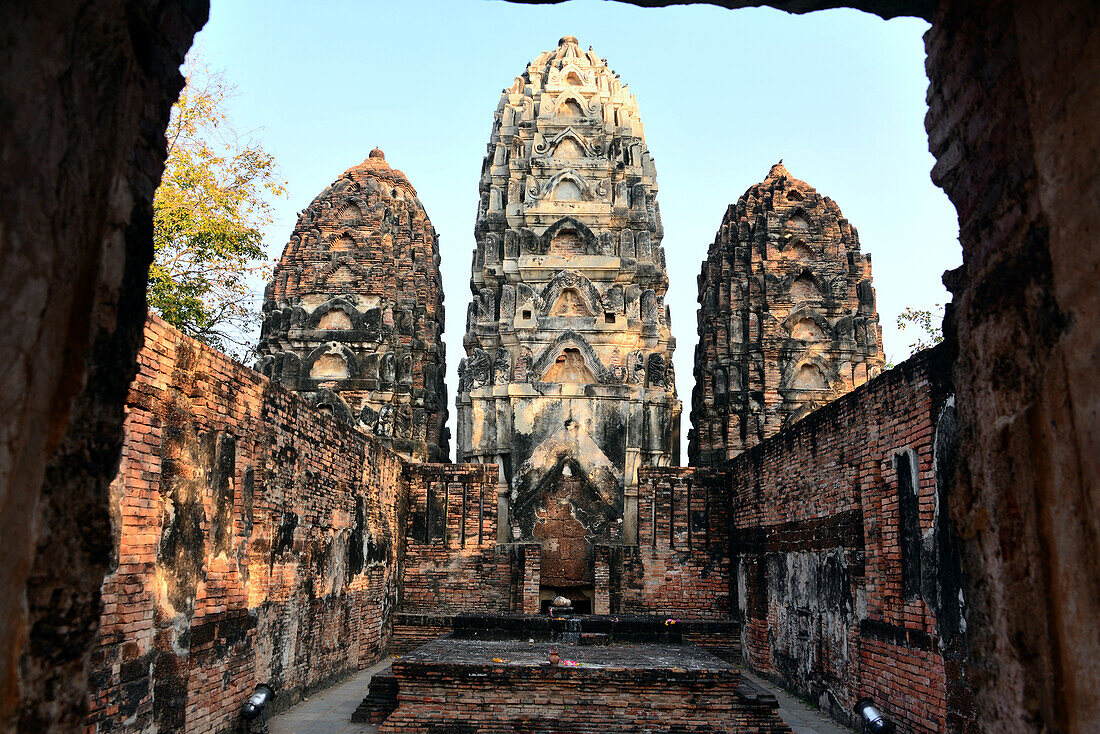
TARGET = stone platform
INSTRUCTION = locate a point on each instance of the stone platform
(493, 675)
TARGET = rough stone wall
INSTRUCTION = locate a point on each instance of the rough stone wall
(256, 540)
(353, 315)
(787, 318)
(87, 89)
(567, 384)
(1013, 102)
(847, 574)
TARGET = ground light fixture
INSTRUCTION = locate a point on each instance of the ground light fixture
(873, 720)
(254, 707)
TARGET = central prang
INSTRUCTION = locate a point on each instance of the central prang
(567, 384)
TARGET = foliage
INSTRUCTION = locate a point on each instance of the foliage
(927, 326)
(208, 214)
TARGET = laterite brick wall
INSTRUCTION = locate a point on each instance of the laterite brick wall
(681, 565)
(848, 578)
(255, 541)
(452, 562)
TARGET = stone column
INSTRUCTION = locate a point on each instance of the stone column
(630, 514)
(504, 521)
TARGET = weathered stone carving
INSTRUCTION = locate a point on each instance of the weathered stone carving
(578, 192)
(776, 342)
(478, 369)
(362, 254)
(502, 367)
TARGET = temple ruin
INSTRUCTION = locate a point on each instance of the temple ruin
(175, 539)
(568, 383)
(353, 315)
(787, 318)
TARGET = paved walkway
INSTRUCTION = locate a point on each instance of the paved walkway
(797, 714)
(329, 712)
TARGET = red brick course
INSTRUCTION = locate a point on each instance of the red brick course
(818, 542)
(256, 541)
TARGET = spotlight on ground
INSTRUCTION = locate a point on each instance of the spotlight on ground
(254, 706)
(873, 720)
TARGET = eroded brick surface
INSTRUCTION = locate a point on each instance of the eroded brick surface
(353, 315)
(256, 542)
(787, 318)
(848, 579)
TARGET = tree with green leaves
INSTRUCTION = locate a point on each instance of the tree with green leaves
(208, 215)
(927, 326)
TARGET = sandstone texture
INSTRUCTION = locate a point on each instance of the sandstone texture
(567, 384)
(353, 315)
(787, 318)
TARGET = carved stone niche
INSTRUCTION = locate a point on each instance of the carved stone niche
(487, 310)
(613, 300)
(635, 365)
(649, 306)
(502, 367)
(402, 422)
(419, 425)
(404, 372)
(402, 321)
(633, 302)
(656, 370)
(528, 243)
(387, 371)
(372, 324)
(384, 426)
(626, 244)
(641, 247)
(507, 303)
(607, 244)
(478, 369)
(369, 418)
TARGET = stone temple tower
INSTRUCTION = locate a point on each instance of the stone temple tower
(353, 314)
(568, 383)
(787, 318)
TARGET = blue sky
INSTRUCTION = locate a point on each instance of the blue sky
(838, 95)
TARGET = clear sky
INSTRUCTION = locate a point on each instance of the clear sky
(838, 95)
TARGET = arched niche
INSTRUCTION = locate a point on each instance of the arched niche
(804, 288)
(329, 366)
(570, 303)
(551, 294)
(570, 109)
(343, 243)
(349, 212)
(798, 223)
(568, 148)
(567, 190)
(569, 367)
(586, 236)
(802, 251)
(556, 361)
(331, 361)
(809, 377)
(807, 330)
(334, 320)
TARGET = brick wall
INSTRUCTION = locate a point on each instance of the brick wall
(255, 541)
(681, 565)
(452, 562)
(847, 574)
